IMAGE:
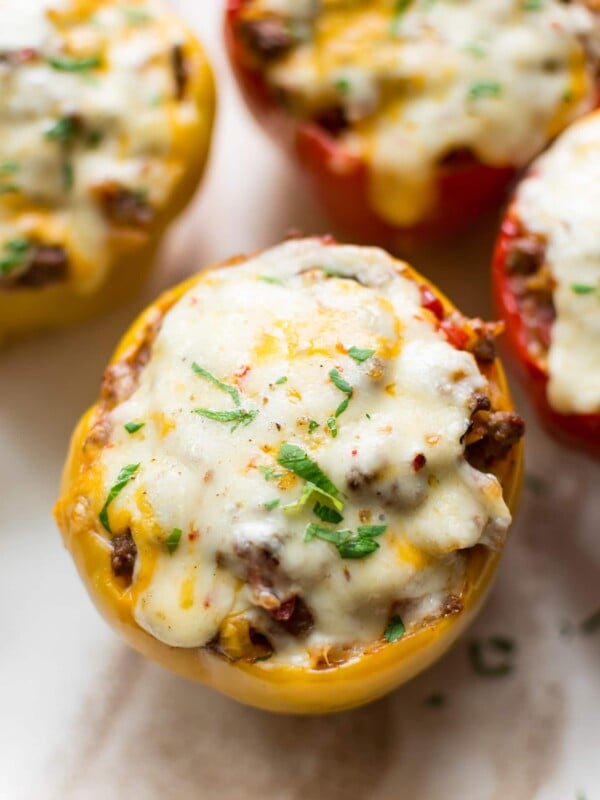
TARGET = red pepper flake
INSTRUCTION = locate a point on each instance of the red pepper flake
(455, 336)
(193, 536)
(242, 371)
(431, 302)
(419, 462)
(355, 452)
(27, 54)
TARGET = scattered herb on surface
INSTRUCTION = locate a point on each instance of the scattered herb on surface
(312, 426)
(271, 504)
(583, 288)
(133, 427)
(360, 354)
(231, 390)
(327, 514)
(173, 539)
(395, 629)
(123, 478)
(239, 416)
(350, 544)
(281, 381)
(483, 654)
(485, 89)
(14, 255)
(68, 64)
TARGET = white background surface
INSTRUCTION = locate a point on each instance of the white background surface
(84, 718)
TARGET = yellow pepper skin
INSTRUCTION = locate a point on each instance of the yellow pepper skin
(286, 689)
(24, 311)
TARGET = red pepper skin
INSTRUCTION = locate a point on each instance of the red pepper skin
(581, 431)
(340, 180)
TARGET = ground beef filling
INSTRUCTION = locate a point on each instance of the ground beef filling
(43, 266)
(532, 285)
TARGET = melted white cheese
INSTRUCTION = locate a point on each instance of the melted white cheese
(127, 108)
(277, 341)
(490, 76)
(560, 200)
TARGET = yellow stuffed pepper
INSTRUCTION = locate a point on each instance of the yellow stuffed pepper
(106, 110)
(298, 478)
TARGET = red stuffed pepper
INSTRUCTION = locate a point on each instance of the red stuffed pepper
(547, 284)
(410, 118)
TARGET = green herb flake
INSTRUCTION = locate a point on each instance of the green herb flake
(270, 474)
(64, 130)
(281, 381)
(341, 384)
(583, 288)
(485, 89)
(350, 544)
(332, 426)
(271, 504)
(400, 7)
(591, 624)
(435, 700)
(123, 478)
(133, 427)
(137, 16)
(270, 279)
(297, 461)
(68, 64)
(343, 85)
(258, 659)
(14, 255)
(68, 174)
(238, 416)
(231, 390)
(532, 5)
(395, 629)
(9, 168)
(483, 655)
(173, 539)
(312, 426)
(360, 354)
(476, 49)
(327, 514)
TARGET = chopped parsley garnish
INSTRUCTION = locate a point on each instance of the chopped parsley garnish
(327, 514)
(343, 386)
(583, 288)
(312, 426)
(271, 504)
(591, 624)
(343, 85)
(296, 460)
(133, 427)
(14, 255)
(173, 539)
(137, 16)
(68, 175)
(270, 279)
(231, 390)
(64, 130)
(332, 425)
(475, 49)
(239, 416)
(360, 354)
(350, 544)
(483, 655)
(69, 64)
(262, 658)
(270, 474)
(123, 478)
(9, 168)
(532, 5)
(281, 381)
(485, 89)
(400, 6)
(395, 629)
